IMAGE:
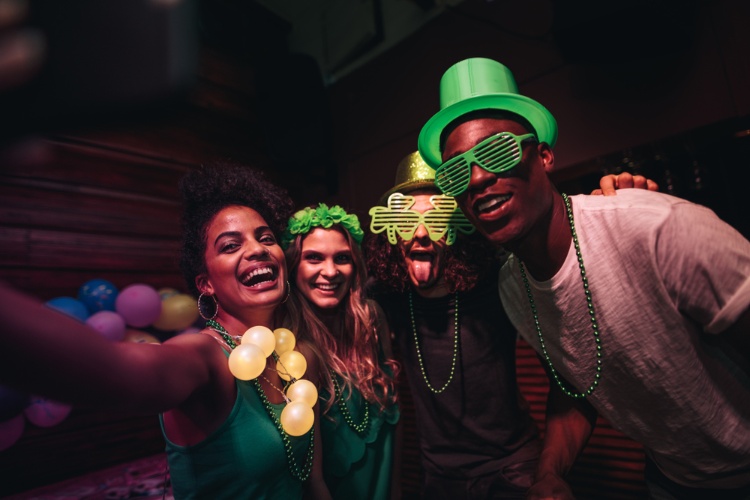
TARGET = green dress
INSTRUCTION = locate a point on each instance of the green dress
(243, 458)
(358, 465)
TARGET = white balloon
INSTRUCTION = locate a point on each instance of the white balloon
(297, 418)
(303, 390)
(262, 337)
(247, 361)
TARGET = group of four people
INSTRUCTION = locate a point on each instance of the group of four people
(617, 294)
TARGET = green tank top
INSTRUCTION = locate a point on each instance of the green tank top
(244, 458)
(358, 465)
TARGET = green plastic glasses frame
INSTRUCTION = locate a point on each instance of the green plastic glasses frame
(445, 219)
(496, 154)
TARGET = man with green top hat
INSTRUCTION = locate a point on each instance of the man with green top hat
(437, 281)
(674, 376)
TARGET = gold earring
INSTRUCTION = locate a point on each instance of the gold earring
(202, 307)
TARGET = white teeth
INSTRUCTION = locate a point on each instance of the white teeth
(257, 272)
(324, 286)
(492, 202)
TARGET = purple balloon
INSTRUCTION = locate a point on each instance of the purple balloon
(44, 412)
(139, 305)
(109, 324)
(11, 431)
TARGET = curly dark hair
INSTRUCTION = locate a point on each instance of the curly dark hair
(213, 187)
(467, 261)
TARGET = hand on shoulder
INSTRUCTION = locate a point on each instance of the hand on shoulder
(609, 184)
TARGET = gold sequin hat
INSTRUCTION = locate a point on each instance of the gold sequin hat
(412, 174)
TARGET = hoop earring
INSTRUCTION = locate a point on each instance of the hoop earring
(201, 307)
(288, 292)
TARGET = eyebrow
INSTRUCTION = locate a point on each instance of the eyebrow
(233, 234)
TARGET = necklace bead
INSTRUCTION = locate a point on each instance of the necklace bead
(590, 305)
(359, 428)
(299, 473)
(419, 352)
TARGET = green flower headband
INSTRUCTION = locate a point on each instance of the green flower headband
(309, 218)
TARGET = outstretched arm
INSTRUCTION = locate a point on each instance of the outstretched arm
(609, 184)
(569, 425)
(49, 353)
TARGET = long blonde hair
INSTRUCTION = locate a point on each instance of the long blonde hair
(352, 349)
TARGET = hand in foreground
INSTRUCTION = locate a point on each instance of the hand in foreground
(550, 487)
(21, 49)
(610, 183)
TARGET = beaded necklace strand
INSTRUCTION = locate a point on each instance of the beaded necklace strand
(419, 352)
(594, 325)
(303, 473)
(359, 428)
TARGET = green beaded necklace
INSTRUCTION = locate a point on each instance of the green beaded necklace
(303, 473)
(359, 428)
(594, 325)
(419, 353)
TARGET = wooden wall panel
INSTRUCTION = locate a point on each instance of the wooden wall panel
(104, 203)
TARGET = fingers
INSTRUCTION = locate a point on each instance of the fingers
(607, 185)
(638, 182)
(626, 180)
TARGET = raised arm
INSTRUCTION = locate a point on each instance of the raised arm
(48, 353)
(569, 425)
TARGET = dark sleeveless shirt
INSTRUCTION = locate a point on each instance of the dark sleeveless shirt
(480, 424)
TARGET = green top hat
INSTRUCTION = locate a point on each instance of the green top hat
(412, 174)
(475, 84)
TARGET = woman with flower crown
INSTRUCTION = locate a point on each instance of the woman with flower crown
(224, 417)
(352, 340)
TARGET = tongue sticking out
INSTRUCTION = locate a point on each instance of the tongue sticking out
(422, 268)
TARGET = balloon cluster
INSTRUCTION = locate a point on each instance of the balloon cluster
(117, 315)
(248, 360)
(16, 408)
(121, 314)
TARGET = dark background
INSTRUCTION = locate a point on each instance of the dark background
(657, 87)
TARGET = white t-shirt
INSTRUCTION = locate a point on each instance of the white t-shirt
(664, 274)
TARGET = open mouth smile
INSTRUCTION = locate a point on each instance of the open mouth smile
(326, 287)
(259, 276)
(490, 203)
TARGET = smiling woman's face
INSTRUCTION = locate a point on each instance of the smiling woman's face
(245, 266)
(326, 269)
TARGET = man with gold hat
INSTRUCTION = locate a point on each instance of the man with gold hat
(437, 281)
(676, 375)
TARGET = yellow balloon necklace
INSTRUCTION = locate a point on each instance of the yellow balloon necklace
(247, 361)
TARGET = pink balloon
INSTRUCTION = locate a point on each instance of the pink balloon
(11, 431)
(44, 412)
(109, 324)
(139, 305)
